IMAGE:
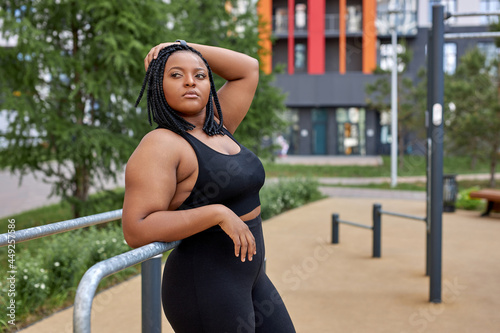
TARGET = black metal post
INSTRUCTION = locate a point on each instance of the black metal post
(377, 231)
(151, 295)
(335, 228)
(436, 124)
(430, 94)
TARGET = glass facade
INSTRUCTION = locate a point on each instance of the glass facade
(489, 6)
(405, 18)
(292, 135)
(300, 57)
(450, 58)
(351, 138)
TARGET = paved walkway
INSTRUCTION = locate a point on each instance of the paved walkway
(32, 192)
(340, 288)
(330, 160)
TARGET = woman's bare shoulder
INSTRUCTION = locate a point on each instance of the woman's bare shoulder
(161, 136)
(160, 145)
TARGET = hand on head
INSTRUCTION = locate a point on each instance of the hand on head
(153, 54)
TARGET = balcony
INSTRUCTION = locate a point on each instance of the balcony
(332, 24)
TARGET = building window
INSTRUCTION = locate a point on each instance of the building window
(301, 16)
(450, 58)
(491, 53)
(351, 131)
(450, 6)
(385, 128)
(489, 6)
(300, 57)
(405, 20)
(354, 19)
(281, 20)
(385, 57)
(292, 134)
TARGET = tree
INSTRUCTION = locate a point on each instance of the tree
(473, 126)
(411, 99)
(69, 85)
(233, 26)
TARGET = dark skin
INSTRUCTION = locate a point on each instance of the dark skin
(149, 213)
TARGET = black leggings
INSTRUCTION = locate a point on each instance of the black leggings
(206, 288)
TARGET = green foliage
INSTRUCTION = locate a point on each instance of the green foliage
(474, 123)
(209, 22)
(69, 85)
(464, 201)
(49, 275)
(411, 102)
(287, 194)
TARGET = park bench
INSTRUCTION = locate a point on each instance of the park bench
(492, 196)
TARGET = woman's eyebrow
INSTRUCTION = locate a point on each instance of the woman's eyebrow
(181, 68)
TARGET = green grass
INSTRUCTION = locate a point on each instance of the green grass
(413, 166)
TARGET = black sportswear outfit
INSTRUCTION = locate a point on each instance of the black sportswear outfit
(206, 288)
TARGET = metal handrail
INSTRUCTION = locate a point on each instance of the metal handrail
(151, 269)
(59, 227)
(90, 280)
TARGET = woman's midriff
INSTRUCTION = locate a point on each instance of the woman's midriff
(249, 216)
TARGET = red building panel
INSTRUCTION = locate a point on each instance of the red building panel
(316, 36)
(291, 36)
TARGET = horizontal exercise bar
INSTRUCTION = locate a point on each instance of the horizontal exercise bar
(355, 224)
(471, 35)
(404, 215)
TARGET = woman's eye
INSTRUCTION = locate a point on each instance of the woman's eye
(201, 76)
(175, 75)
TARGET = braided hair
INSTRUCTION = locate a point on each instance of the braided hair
(162, 113)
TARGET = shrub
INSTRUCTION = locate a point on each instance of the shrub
(48, 276)
(464, 201)
(288, 194)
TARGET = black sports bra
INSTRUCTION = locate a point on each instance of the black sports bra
(231, 180)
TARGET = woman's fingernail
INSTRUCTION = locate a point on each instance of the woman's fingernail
(250, 258)
(243, 260)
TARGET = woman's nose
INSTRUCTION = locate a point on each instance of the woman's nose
(189, 81)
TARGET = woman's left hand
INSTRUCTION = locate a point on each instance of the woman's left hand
(153, 54)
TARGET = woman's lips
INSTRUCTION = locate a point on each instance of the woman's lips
(190, 94)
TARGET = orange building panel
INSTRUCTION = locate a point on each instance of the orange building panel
(369, 36)
(265, 12)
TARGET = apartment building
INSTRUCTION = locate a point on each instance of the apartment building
(329, 50)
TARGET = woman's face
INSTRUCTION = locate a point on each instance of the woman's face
(186, 84)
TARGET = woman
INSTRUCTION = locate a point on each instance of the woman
(190, 179)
